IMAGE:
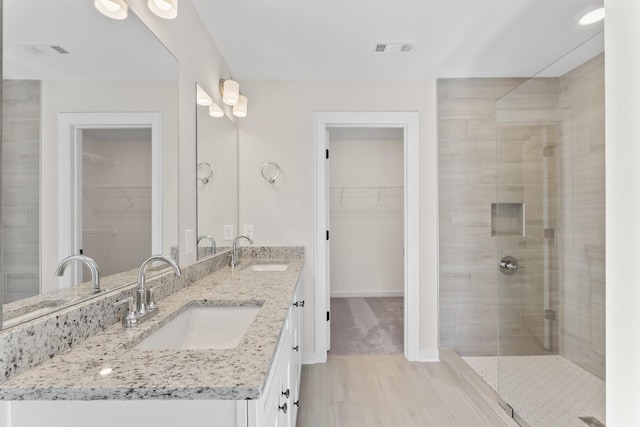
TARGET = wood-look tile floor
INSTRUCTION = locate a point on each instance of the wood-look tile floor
(384, 391)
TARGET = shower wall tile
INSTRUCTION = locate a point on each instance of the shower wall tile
(467, 170)
(20, 188)
(474, 173)
(582, 240)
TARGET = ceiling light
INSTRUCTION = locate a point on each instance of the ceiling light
(167, 9)
(592, 17)
(240, 109)
(114, 9)
(202, 97)
(215, 110)
(230, 90)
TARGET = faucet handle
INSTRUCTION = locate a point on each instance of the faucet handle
(151, 294)
(131, 319)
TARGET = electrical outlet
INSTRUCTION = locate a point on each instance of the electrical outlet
(189, 242)
(228, 232)
(248, 231)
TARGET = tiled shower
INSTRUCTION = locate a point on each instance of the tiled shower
(20, 264)
(521, 166)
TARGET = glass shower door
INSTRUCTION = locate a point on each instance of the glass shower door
(524, 226)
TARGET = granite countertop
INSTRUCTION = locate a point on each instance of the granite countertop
(235, 374)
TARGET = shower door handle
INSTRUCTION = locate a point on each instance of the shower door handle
(508, 265)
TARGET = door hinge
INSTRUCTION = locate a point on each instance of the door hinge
(327, 154)
(327, 234)
(80, 251)
(328, 316)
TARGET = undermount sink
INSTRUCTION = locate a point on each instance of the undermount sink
(203, 328)
(269, 267)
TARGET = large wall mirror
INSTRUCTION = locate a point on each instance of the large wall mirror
(89, 152)
(217, 181)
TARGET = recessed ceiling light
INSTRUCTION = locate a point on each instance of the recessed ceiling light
(592, 17)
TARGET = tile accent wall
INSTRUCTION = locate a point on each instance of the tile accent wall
(541, 144)
(582, 214)
(20, 188)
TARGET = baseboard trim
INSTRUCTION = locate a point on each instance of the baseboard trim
(429, 355)
(367, 294)
(311, 359)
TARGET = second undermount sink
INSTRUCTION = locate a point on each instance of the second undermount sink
(203, 328)
(269, 267)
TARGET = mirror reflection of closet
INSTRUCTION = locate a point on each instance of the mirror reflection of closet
(217, 181)
(116, 188)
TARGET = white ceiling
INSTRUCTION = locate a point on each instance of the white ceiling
(99, 48)
(327, 39)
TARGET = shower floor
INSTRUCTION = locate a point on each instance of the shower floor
(544, 390)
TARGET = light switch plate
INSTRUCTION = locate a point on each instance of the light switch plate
(248, 231)
(228, 232)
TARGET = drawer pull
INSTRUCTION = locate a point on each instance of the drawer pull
(296, 348)
(286, 394)
(298, 304)
(283, 408)
(297, 403)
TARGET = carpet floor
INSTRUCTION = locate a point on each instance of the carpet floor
(367, 326)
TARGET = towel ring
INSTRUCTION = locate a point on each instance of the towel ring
(206, 179)
(270, 171)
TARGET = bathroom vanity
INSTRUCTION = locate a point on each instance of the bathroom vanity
(111, 378)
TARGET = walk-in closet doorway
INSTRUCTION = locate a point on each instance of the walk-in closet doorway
(366, 217)
(406, 127)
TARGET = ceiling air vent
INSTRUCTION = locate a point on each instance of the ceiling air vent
(43, 48)
(394, 47)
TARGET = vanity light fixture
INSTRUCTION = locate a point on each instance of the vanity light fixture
(240, 109)
(592, 17)
(202, 97)
(215, 110)
(230, 91)
(114, 9)
(167, 9)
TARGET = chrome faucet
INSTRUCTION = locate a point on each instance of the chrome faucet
(93, 267)
(141, 296)
(234, 250)
(211, 239)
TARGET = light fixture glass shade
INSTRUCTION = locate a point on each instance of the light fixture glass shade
(215, 110)
(167, 9)
(114, 9)
(592, 17)
(240, 109)
(202, 97)
(230, 92)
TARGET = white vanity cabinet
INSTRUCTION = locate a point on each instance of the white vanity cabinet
(278, 406)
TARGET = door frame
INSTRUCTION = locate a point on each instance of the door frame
(409, 122)
(70, 126)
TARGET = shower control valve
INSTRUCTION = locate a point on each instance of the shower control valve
(508, 265)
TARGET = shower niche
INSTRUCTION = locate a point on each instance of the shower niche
(507, 219)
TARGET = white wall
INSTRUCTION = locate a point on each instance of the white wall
(280, 128)
(367, 221)
(622, 68)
